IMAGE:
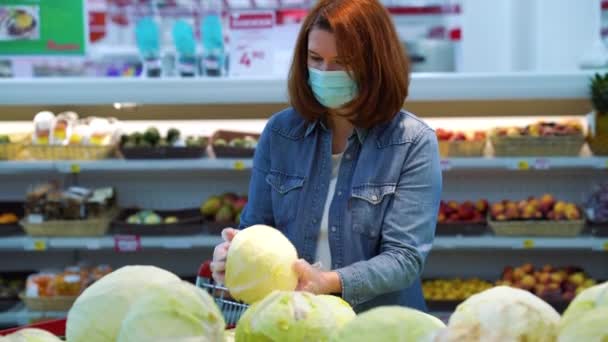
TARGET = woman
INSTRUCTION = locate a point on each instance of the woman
(352, 180)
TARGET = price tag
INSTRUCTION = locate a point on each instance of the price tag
(74, 168)
(528, 244)
(178, 244)
(35, 218)
(446, 165)
(127, 243)
(252, 40)
(38, 245)
(523, 165)
(542, 164)
(239, 165)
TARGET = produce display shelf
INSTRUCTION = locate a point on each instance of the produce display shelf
(26, 243)
(424, 86)
(120, 165)
(499, 242)
(20, 315)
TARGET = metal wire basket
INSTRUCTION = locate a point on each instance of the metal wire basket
(231, 309)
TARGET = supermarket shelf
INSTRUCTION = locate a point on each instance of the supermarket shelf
(206, 241)
(120, 165)
(424, 86)
(525, 163)
(495, 242)
(21, 167)
(115, 165)
(20, 315)
(26, 243)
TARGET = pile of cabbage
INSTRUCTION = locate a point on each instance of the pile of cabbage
(145, 303)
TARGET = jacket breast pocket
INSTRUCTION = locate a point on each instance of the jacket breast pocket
(368, 204)
(285, 194)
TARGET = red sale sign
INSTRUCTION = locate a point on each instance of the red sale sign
(127, 243)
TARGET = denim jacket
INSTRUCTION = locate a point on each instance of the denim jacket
(382, 217)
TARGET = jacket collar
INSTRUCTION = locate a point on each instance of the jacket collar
(360, 132)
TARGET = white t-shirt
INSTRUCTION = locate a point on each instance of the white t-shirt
(323, 251)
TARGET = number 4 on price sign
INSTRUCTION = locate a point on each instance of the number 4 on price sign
(245, 60)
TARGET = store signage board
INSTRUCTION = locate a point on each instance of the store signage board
(42, 28)
(252, 40)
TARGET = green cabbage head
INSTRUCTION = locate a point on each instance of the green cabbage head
(294, 317)
(260, 260)
(586, 318)
(31, 335)
(97, 314)
(390, 323)
(176, 311)
(502, 314)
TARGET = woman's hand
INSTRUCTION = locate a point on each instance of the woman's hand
(218, 265)
(313, 280)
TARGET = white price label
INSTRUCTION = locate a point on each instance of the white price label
(542, 164)
(252, 35)
(446, 165)
(35, 218)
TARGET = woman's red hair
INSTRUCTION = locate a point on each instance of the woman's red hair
(368, 45)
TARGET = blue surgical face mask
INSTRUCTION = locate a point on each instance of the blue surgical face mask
(332, 89)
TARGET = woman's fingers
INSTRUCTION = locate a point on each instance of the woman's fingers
(229, 233)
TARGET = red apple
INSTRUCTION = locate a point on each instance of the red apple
(481, 205)
(557, 278)
(441, 218)
(547, 268)
(577, 278)
(528, 282)
(497, 209)
(568, 296)
(466, 213)
(453, 205)
(518, 274)
(512, 213)
(528, 268)
(544, 278)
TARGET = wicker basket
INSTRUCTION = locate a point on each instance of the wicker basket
(55, 303)
(461, 148)
(92, 227)
(70, 152)
(537, 228)
(599, 146)
(10, 151)
(526, 146)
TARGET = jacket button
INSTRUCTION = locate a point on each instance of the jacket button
(374, 198)
(333, 229)
(348, 156)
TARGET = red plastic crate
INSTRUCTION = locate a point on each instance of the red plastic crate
(56, 327)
